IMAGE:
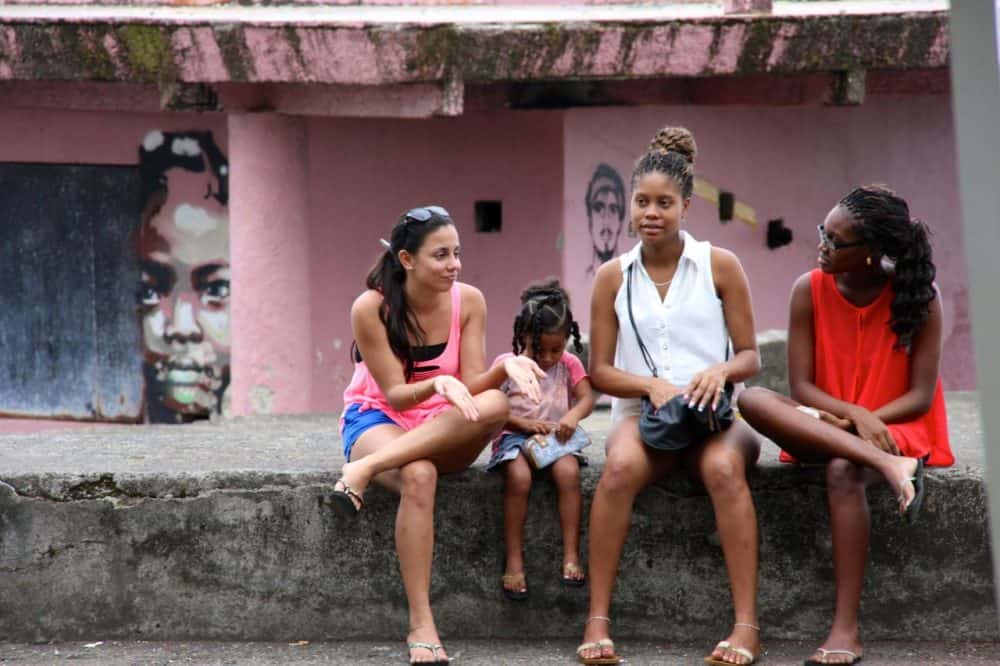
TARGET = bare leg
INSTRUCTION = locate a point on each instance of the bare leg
(630, 467)
(451, 444)
(415, 545)
(849, 521)
(566, 474)
(450, 441)
(516, 490)
(812, 440)
(721, 464)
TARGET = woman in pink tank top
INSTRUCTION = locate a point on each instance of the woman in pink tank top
(421, 402)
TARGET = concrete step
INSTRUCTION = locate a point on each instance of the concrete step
(223, 532)
(464, 652)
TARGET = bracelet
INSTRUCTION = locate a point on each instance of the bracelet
(416, 401)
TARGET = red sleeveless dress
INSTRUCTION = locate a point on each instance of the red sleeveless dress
(855, 360)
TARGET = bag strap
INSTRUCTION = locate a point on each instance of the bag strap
(646, 356)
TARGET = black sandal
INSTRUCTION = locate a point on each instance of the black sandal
(343, 500)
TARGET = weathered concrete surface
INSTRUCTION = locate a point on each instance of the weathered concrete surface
(468, 653)
(402, 45)
(222, 532)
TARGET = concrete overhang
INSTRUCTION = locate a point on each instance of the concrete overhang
(430, 53)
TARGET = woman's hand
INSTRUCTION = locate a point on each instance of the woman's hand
(455, 392)
(525, 374)
(873, 430)
(565, 428)
(661, 391)
(706, 387)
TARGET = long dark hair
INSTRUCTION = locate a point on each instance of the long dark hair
(388, 277)
(544, 309)
(884, 224)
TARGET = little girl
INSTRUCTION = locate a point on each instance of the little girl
(541, 331)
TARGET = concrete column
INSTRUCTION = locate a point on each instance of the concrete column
(269, 241)
(975, 75)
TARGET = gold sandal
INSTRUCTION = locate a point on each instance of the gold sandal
(600, 646)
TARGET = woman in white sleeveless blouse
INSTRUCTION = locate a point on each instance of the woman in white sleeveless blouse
(691, 304)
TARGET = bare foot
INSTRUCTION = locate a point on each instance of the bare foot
(744, 637)
(425, 646)
(903, 483)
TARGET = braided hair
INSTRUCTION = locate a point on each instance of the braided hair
(389, 277)
(671, 152)
(883, 221)
(544, 310)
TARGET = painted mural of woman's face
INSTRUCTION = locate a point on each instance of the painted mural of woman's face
(184, 294)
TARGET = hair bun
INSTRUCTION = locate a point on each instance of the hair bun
(676, 140)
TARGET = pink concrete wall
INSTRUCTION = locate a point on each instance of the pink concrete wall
(91, 138)
(364, 173)
(794, 163)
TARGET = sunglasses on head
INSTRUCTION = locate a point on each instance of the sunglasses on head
(424, 213)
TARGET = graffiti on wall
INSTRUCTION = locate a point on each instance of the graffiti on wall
(183, 295)
(605, 204)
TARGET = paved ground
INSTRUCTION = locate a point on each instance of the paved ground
(478, 653)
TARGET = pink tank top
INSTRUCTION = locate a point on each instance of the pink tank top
(365, 392)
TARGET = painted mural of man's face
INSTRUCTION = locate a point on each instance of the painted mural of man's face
(184, 295)
(605, 211)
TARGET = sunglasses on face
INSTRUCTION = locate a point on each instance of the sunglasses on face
(424, 213)
(832, 244)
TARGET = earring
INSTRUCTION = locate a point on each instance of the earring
(868, 260)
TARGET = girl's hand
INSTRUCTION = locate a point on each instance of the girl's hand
(873, 430)
(661, 391)
(525, 373)
(455, 392)
(706, 387)
(565, 428)
(835, 421)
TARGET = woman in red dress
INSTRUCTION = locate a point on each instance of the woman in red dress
(864, 343)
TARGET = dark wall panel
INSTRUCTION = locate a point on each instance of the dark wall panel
(68, 330)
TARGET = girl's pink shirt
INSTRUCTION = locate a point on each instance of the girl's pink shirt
(556, 388)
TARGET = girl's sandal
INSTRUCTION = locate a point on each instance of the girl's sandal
(514, 586)
(572, 575)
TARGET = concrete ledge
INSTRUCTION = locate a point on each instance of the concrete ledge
(452, 45)
(224, 532)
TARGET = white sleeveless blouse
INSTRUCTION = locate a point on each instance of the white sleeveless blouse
(684, 333)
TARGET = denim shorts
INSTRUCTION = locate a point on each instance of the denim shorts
(357, 422)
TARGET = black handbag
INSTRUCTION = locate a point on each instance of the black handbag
(675, 425)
